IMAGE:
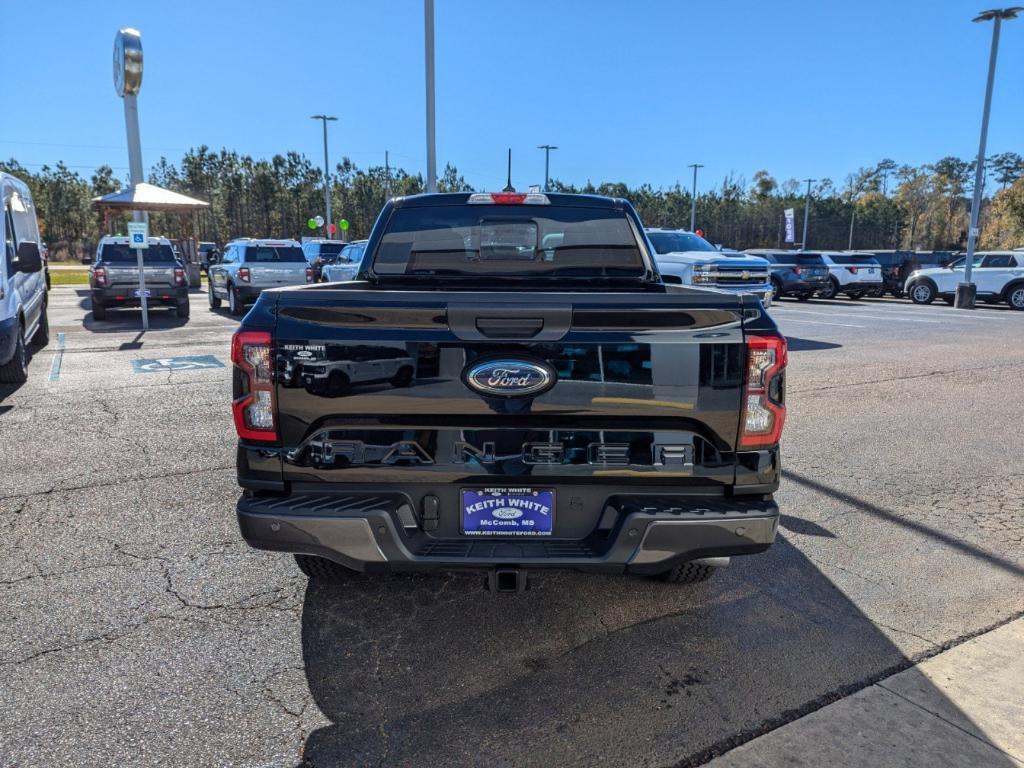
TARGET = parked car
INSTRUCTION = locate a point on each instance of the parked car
(794, 273)
(248, 266)
(346, 264)
(320, 252)
(998, 275)
(114, 277)
(855, 274)
(686, 258)
(23, 296)
(358, 365)
(591, 418)
(206, 251)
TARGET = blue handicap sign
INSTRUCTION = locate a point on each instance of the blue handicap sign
(137, 237)
(182, 363)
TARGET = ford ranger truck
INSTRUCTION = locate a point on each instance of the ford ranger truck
(565, 409)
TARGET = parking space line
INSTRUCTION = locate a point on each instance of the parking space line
(822, 322)
(58, 359)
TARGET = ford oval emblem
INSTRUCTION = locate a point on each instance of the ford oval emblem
(509, 378)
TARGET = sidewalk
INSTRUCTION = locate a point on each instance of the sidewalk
(963, 707)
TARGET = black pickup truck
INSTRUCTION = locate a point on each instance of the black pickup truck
(508, 385)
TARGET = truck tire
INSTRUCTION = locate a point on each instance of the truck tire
(182, 309)
(99, 310)
(830, 290)
(403, 378)
(235, 304)
(214, 299)
(42, 335)
(323, 570)
(1015, 297)
(15, 370)
(687, 573)
(922, 292)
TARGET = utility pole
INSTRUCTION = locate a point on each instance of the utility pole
(387, 177)
(327, 173)
(966, 292)
(853, 218)
(547, 162)
(428, 28)
(807, 209)
(693, 198)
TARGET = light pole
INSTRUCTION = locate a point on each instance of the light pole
(693, 198)
(966, 292)
(327, 173)
(807, 209)
(428, 29)
(547, 162)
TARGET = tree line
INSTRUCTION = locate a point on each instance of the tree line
(884, 206)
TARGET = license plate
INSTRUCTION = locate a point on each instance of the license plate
(137, 293)
(507, 512)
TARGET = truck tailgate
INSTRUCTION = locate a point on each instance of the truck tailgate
(372, 385)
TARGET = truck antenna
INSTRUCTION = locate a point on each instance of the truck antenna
(508, 186)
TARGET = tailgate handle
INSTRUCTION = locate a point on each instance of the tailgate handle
(509, 327)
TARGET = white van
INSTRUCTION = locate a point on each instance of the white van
(22, 282)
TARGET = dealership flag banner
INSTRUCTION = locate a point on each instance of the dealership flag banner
(790, 225)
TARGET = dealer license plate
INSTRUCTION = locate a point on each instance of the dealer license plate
(507, 511)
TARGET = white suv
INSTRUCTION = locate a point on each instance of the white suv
(999, 276)
(855, 274)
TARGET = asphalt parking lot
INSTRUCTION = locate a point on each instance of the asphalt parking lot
(136, 627)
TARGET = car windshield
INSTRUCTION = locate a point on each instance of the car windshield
(122, 253)
(274, 253)
(675, 242)
(509, 241)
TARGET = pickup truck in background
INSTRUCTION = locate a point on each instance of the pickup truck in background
(114, 277)
(563, 406)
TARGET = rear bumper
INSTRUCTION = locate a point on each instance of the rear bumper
(804, 286)
(377, 533)
(124, 295)
(862, 287)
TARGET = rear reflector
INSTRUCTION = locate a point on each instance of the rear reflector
(509, 198)
(764, 410)
(253, 407)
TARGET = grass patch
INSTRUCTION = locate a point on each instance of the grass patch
(67, 277)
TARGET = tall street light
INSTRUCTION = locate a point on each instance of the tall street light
(966, 292)
(428, 46)
(807, 209)
(547, 162)
(327, 173)
(693, 198)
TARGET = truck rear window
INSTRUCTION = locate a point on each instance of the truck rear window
(114, 253)
(509, 241)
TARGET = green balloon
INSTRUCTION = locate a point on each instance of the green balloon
(311, 223)
(343, 224)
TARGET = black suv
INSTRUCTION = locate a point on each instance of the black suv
(794, 274)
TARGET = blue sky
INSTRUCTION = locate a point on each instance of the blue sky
(629, 91)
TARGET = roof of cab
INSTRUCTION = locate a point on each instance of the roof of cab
(462, 198)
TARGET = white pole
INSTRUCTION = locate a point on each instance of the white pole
(428, 25)
(131, 123)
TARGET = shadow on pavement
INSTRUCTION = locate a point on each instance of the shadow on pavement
(809, 345)
(580, 670)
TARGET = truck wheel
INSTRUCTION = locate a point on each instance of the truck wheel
(337, 383)
(403, 378)
(99, 310)
(15, 370)
(42, 334)
(235, 305)
(830, 290)
(687, 573)
(183, 309)
(922, 293)
(214, 299)
(323, 570)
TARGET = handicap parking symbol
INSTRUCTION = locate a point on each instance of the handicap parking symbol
(183, 363)
(138, 238)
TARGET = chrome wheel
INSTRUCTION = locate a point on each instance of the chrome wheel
(922, 293)
(1016, 298)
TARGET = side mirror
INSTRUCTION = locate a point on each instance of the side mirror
(29, 258)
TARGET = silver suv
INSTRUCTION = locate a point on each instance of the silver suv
(247, 266)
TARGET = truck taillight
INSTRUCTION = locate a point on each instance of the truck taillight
(179, 276)
(309, 274)
(253, 406)
(243, 274)
(764, 409)
(101, 276)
